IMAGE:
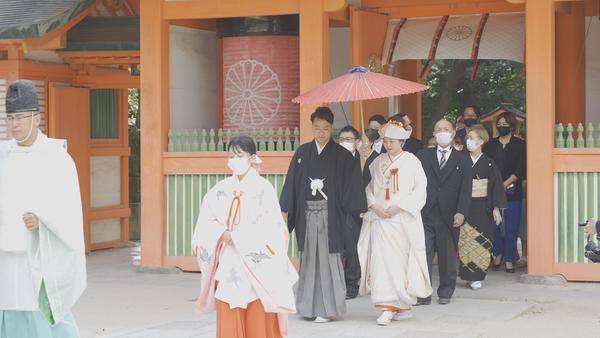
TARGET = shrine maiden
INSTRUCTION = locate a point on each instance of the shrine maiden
(392, 240)
(42, 254)
(241, 241)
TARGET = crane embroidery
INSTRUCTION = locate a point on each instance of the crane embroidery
(258, 257)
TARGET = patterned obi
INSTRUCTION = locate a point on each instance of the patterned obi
(480, 188)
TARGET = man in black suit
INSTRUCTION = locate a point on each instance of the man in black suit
(413, 145)
(350, 139)
(449, 184)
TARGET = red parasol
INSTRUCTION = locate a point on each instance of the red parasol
(357, 85)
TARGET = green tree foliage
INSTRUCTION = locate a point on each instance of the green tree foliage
(134, 106)
(450, 88)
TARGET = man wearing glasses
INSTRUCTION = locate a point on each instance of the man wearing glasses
(42, 253)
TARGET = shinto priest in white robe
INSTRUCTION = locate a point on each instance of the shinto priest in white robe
(392, 251)
(40, 179)
(257, 265)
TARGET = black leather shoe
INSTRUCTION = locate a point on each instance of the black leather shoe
(423, 301)
(497, 267)
(444, 301)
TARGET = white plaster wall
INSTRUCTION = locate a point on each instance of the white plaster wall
(104, 231)
(193, 78)
(339, 63)
(592, 70)
(105, 176)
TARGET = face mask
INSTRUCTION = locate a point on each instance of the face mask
(470, 122)
(239, 165)
(503, 130)
(348, 145)
(472, 145)
(443, 138)
(462, 133)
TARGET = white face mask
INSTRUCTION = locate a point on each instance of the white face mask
(443, 138)
(348, 145)
(472, 145)
(239, 165)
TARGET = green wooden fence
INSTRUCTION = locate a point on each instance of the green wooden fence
(267, 139)
(210, 140)
(184, 195)
(577, 195)
(567, 136)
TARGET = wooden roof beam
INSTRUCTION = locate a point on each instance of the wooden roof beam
(451, 9)
(201, 9)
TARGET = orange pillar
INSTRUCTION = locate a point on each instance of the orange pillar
(540, 27)
(410, 104)
(314, 66)
(367, 36)
(154, 53)
(570, 64)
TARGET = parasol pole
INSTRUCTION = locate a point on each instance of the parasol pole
(362, 117)
(362, 123)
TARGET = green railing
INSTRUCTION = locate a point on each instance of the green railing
(586, 137)
(216, 140)
(184, 195)
(577, 195)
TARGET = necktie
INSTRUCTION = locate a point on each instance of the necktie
(443, 159)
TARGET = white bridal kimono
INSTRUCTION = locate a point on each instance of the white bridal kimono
(392, 251)
(257, 265)
(40, 179)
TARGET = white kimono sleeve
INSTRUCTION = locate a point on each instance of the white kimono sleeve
(57, 251)
(415, 200)
(208, 231)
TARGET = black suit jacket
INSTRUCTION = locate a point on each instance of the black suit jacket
(449, 188)
(413, 145)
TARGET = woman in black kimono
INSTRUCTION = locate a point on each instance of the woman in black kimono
(488, 197)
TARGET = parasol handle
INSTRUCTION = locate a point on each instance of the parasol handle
(362, 123)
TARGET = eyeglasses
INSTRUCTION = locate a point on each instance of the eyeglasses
(19, 118)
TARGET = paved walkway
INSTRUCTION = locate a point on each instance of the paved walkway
(122, 303)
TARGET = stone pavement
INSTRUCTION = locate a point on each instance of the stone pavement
(122, 303)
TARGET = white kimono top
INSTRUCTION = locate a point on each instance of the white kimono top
(381, 238)
(257, 265)
(40, 179)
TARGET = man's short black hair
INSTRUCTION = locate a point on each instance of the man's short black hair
(378, 118)
(322, 113)
(350, 129)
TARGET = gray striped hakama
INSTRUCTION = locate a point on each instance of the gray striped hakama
(321, 287)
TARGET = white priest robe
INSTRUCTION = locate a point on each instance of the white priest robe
(257, 265)
(392, 251)
(40, 179)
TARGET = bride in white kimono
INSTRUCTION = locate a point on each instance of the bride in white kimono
(392, 241)
(241, 244)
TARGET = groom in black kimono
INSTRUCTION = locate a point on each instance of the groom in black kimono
(319, 193)
(449, 185)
